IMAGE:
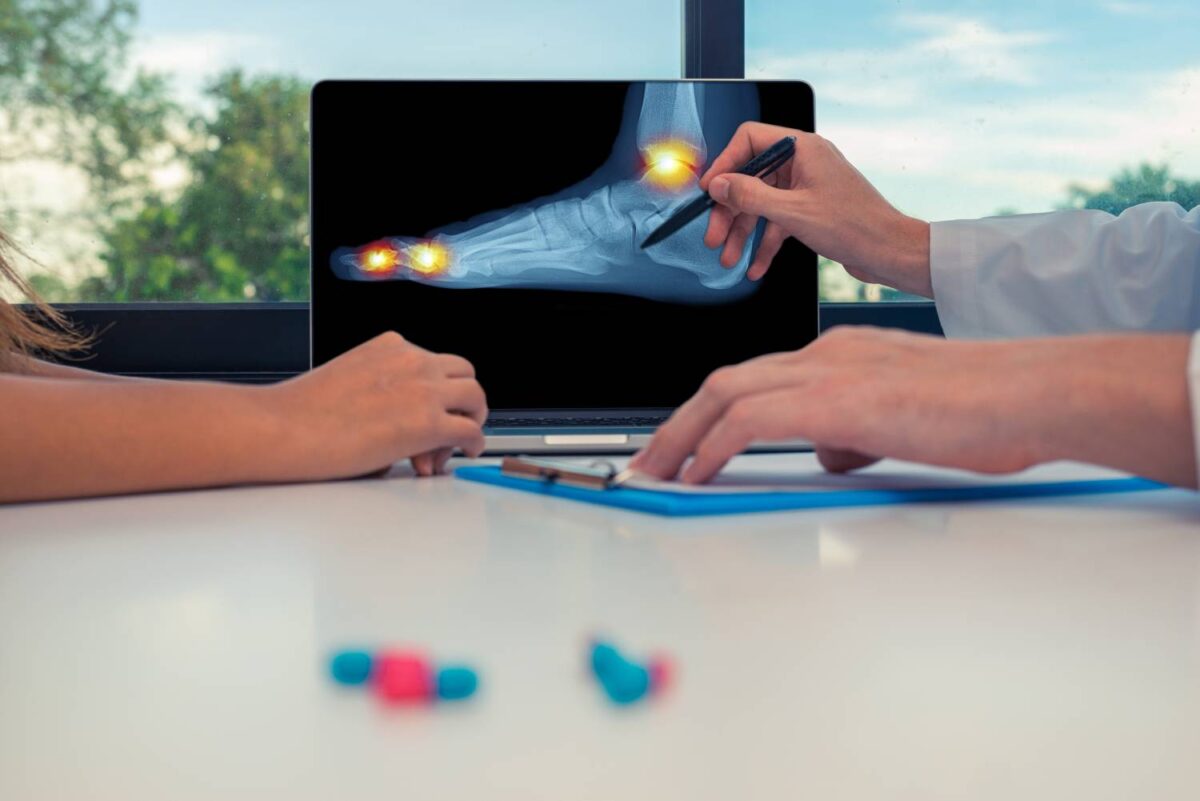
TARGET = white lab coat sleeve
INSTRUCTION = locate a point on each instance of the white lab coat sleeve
(1072, 272)
(1068, 272)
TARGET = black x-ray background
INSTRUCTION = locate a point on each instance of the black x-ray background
(395, 158)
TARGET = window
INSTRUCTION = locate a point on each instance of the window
(152, 150)
(969, 110)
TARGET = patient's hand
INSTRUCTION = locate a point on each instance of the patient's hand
(383, 401)
(819, 198)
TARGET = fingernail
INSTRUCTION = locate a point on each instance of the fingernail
(719, 189)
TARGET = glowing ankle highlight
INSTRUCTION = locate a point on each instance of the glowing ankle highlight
(670, 164)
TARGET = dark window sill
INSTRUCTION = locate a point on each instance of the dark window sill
(265, 342)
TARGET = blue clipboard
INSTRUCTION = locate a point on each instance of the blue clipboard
(684, 504)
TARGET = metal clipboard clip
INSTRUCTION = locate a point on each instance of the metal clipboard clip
(598, 475)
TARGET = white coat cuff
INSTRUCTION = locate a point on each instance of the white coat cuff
(953, 266)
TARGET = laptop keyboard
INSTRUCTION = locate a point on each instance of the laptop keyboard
(578, 422)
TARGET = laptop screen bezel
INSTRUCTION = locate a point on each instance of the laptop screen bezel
(803, 119)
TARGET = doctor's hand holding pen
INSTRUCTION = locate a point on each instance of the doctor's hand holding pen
(807, 198)
(1122, 399)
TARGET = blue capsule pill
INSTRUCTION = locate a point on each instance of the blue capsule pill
(350, 667)
(626, 684)
(606, 659)
(456, 682)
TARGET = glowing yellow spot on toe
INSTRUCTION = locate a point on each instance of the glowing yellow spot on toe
(428, 258)
(671, 163)
(379, 260)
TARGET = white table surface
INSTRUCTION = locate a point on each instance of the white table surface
(173, 647)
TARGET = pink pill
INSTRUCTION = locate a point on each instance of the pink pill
(403, 677)
(662, 672)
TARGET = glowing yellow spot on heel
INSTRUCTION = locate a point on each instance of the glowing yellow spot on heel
(670, 164)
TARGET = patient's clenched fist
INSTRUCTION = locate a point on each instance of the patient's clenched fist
(381, 402)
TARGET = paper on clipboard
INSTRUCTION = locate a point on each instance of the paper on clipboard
(791, 473)
(791, 482)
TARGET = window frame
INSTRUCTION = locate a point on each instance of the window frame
(257, 342)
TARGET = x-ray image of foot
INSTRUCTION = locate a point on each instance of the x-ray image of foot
(587, 236)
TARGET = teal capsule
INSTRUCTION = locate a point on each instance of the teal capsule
(626, 683)
(350, 667)
(606, 659)
(456, 682)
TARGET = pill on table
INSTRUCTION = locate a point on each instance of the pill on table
(605, 658)
(455, 682)
(403, 677)
(662, 672)
(627, 683)
(350, 667)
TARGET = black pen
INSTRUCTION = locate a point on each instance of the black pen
(760, 166)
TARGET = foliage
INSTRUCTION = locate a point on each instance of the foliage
(67, 94)
(239, 228)
(1128, 188)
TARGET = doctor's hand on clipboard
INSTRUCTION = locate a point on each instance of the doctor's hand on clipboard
(1113, 386)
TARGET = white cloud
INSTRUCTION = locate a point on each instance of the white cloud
(948, 160)
(947, 52)
(976, 49)
(955, 120)
(194, 57)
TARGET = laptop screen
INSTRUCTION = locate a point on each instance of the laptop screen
(504, 222)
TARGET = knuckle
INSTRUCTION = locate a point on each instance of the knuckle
(846, 333)
(720, 383)
(407, 363)
(423, 362)
(839, 333)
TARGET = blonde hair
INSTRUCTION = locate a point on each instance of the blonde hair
(46, 333)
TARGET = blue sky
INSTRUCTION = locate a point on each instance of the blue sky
(965, 108)
(953, 109)
(419, 38)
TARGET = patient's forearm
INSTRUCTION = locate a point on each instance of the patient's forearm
(68, 438)
(1117, 400)
(30, 366)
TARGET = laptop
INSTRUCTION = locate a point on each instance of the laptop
(503, 221)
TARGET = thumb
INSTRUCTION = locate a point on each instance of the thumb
(747, 194)
(840, 460)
